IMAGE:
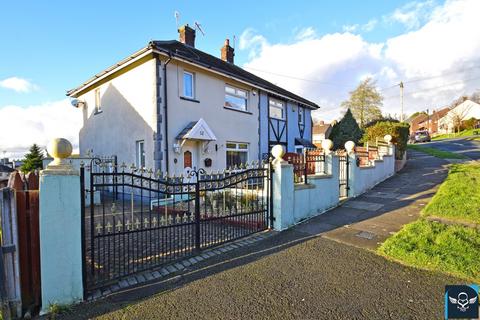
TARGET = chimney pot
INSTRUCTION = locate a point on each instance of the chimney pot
(227, 52)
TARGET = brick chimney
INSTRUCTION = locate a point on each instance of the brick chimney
(227, 52)
(187, 35)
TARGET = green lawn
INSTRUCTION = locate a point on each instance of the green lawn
(464, 133)
(451, 249)
(458, 198)
(435, 152)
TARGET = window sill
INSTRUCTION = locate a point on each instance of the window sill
(233, 109)
(189, 99)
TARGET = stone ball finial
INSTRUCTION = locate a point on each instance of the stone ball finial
(59, 149)
(327, 145)
(387, 138)
(349, 146)
(278, 152)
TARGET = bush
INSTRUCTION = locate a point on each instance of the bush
(398, 131)
(469, 124)
(345, 130)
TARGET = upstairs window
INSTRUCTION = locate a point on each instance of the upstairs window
(98, 107)
(301, 115)
(188, 85)
(235, 98)
(277, 109)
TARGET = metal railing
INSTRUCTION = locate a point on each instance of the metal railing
(312, 161)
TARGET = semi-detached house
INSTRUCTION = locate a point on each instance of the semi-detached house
(170, 106)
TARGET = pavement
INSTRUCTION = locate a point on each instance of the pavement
(316, 270)
(464, 146)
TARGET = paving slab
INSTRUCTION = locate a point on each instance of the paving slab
(363, 205)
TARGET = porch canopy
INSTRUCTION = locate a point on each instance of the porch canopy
(197, 130)
(304, 143)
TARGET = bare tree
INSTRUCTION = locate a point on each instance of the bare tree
(457, 115)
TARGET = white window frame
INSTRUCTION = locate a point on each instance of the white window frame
(237, 148)
(237, 95)
(301, 115)
(270, 106)
(98, 99)
(139, 145)
(185, 72)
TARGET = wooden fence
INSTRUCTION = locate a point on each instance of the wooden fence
(20, 246)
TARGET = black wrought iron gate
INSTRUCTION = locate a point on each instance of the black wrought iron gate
(343, 175)
(136, 220)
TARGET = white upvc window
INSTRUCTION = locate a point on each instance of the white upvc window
(189, 85)
(140, 154)
(277, 109)
(98, 107)
(301, 115)
(237, 153)
(236, 98)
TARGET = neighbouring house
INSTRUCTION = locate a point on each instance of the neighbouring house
(418, 122)
(170, 106)
(464, 111)
(321, 131)
(432, 122)
(5, 172)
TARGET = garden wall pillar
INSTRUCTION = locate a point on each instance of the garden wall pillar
(283, 190)
(60, 230)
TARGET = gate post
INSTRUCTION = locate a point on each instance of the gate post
(60, 229)
(282, 189)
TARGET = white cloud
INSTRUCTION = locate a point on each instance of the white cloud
(412, 14)
(370, 25)
(443, 49)
(350, 28)
(18, 84)
(20, 127)
(306, 33)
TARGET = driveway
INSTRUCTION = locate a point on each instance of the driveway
(308, 272)
(465, 146)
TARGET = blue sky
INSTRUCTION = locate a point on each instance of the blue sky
(317, 49)
(58, 44)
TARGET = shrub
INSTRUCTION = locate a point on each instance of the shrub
(398, 131)
(469, 124)
(345, 130)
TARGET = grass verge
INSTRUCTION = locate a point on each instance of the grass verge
(435, 246)
(458, 198)
(464, 133)
(435, 152)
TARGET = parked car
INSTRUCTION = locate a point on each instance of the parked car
(420, 136)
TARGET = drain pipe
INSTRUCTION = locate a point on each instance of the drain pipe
(165, 109)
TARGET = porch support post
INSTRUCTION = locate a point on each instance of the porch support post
(283, 190)
(60, 230)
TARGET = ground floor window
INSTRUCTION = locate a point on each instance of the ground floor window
(237, 153)
(299, 149)
(140, 154)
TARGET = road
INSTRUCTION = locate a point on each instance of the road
(464, 146)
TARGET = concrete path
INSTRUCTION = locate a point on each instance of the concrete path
(369, 219)
(301, 273)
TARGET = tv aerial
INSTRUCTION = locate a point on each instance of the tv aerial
(199, 27)
(176, 14)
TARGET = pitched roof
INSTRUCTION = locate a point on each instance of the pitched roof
(4, 168)
(179, 50)
(321, 128)
(195, 56)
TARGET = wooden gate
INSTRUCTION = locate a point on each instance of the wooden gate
(19, 205)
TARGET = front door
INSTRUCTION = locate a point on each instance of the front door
(190, 149)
